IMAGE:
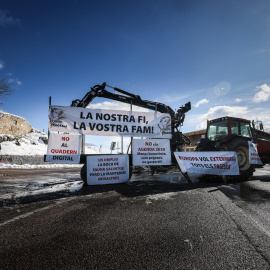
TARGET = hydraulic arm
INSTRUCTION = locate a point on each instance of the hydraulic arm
(126, 97)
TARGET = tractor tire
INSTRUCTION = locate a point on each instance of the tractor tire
(84, 175)
(241, 147)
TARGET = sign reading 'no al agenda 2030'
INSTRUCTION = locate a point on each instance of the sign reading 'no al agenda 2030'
(109, 122)
(151, 152)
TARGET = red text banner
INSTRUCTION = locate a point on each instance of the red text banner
(216, 163)
(63, 148)
(109, 122)
(151, 152)
(107, 169)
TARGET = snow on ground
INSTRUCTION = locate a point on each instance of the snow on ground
(43, 166)
(32, 144)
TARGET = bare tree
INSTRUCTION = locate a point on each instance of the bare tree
(5, 89)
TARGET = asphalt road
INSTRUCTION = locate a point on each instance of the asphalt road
(140, 225)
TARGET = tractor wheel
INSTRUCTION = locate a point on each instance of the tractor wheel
(241, 147)
(84, 175)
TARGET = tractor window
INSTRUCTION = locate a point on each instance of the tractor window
(245, 129)
(235, 127)
(217, 131)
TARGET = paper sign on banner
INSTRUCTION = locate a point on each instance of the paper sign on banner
(63, 148)
(109, 122)
(216, 163)
(107, 169)
(151, 152)
(253, 154)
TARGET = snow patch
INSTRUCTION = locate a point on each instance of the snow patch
(161, 196)
(31, 144)
(43, 166)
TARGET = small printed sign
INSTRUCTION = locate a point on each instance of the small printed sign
(151, 152)
(63, 148)
(107, 169)
(217, 163)
(253, 154)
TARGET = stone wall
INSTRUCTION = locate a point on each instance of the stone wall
(21, 160)
(13, 125)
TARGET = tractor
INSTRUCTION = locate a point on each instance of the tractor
(232, 134)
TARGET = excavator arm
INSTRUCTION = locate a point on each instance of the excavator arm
(126, 97)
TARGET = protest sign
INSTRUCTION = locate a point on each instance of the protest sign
(217, 163)
(107, 169)
(63, 148)
(253, 154)
(151, 152)
(109, 122)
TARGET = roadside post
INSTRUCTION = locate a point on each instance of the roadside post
(1, 159)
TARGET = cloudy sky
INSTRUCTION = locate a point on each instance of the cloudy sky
(214, 53)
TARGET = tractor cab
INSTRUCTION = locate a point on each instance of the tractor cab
(224, 128)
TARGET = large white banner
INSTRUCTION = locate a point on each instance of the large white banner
(151, 152)
(107, 169)
(63, 148)
(109, 122)
(253, 154)
(217, 163)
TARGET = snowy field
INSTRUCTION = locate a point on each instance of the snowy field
(32, 144)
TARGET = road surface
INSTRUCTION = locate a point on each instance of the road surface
(146, 224)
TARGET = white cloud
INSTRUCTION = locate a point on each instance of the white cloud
(116, 105)
(263, 94)
(237, 100)
(201, 102)
(1, 65)
(171, 99)
(221, 111)
(16, 81)
(5, 19)
(233, 111)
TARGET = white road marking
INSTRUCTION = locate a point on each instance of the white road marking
(60, 201)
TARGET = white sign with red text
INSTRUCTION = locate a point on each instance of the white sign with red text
(63, 148)
(107, 169)
(253, 154)
(151, 152)
(217, 163)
